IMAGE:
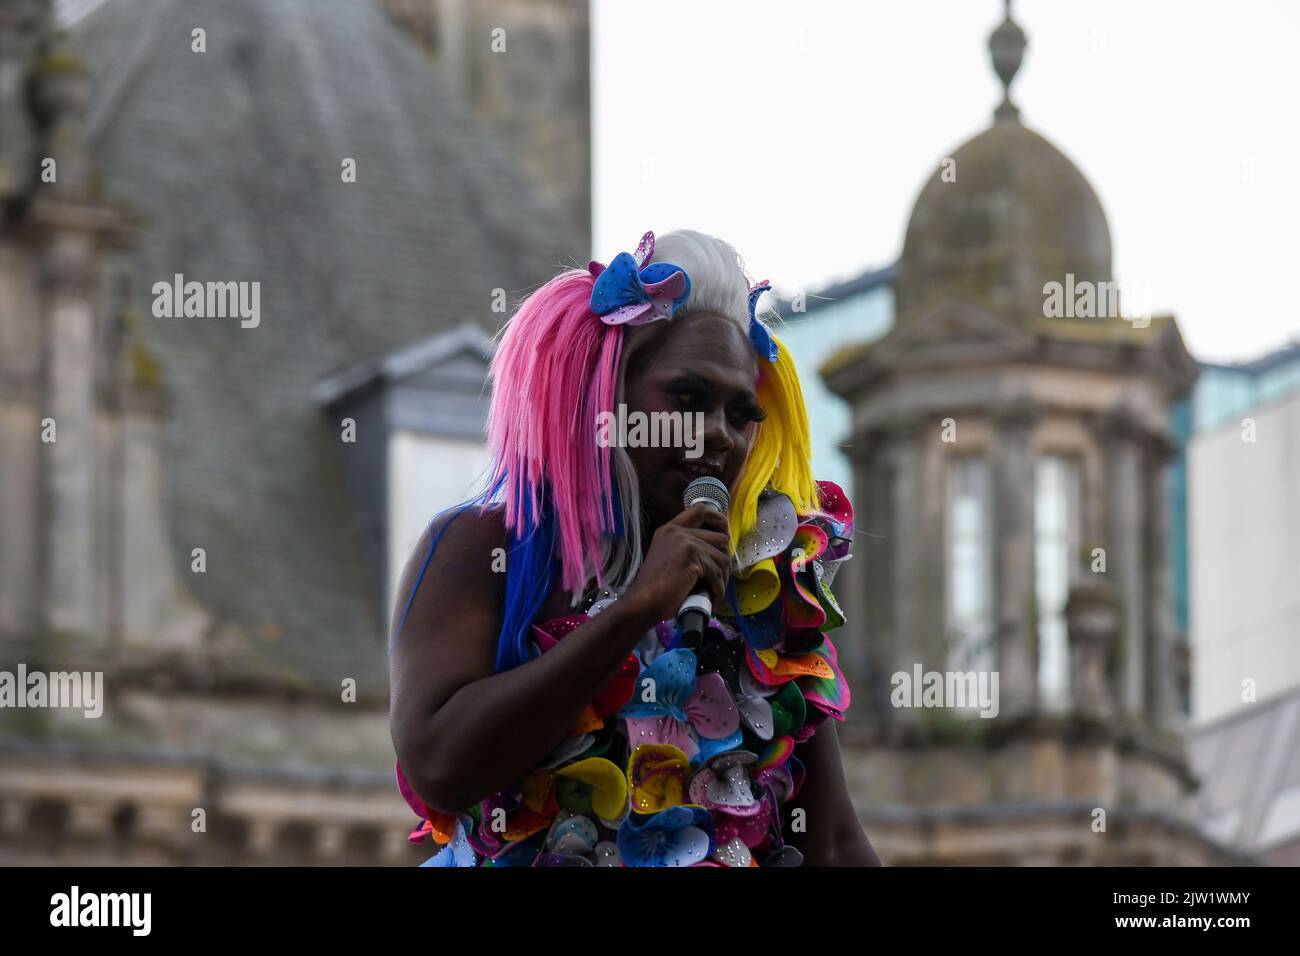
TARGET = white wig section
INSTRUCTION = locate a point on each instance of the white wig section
(718, 284)
(717, 273)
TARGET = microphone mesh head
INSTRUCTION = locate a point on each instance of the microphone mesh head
(708, 490)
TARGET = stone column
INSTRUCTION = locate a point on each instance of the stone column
(162, 822)
(1164, 709)
(862, 585)
(330, 838)
(72, 230)
(1126, 503)
(71, 468)
(394, 848)
(23, 24)
(13, 814)
(1013, 555)
(908, 643)
(90, 820)
(261, 839)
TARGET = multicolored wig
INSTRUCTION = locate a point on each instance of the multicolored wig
(573, 507)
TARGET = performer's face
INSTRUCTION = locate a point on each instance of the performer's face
(701, 363)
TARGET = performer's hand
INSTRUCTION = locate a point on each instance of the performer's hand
(694, 545)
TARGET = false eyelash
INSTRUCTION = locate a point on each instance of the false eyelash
(753, 415)
(687, 393)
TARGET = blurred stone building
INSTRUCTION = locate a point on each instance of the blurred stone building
(202, 509)
(1009, 469)
(202, 530)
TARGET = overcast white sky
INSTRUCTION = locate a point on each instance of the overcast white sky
(802, 132)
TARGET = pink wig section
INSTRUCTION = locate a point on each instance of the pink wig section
(553, 373)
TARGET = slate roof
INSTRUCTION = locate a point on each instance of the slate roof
(389, 369)
(1249, 764)
(233, 157)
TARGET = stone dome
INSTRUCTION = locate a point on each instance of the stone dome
(1019, 214)
(1010, 214)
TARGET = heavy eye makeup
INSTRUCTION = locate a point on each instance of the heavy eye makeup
(693, 394)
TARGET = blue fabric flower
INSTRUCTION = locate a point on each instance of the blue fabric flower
(679, 836)
(672, 677)
(457, 852)
(628, 291)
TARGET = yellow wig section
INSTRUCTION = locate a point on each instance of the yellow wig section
(781, 455)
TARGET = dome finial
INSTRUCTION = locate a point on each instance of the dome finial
(1007, 45)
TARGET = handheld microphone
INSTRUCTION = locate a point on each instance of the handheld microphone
(696, 610)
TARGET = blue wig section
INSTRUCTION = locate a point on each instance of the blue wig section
(619, 531)
(531, 567)
(530, 574)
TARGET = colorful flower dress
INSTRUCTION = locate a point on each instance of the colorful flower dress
(687, 756)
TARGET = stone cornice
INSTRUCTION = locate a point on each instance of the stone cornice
(1122, 424)
(180, 672)
(1069, 728)
(113, 223)
(853, 376)
(905, 350)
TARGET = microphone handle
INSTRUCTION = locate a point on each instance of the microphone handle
(694, 614)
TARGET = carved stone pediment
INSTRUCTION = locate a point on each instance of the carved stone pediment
(954, 333)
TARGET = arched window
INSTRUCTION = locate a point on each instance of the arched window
(969, 566)
(1056, 547)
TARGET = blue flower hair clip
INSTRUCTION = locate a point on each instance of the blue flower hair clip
(629, 292)
(764, 344)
